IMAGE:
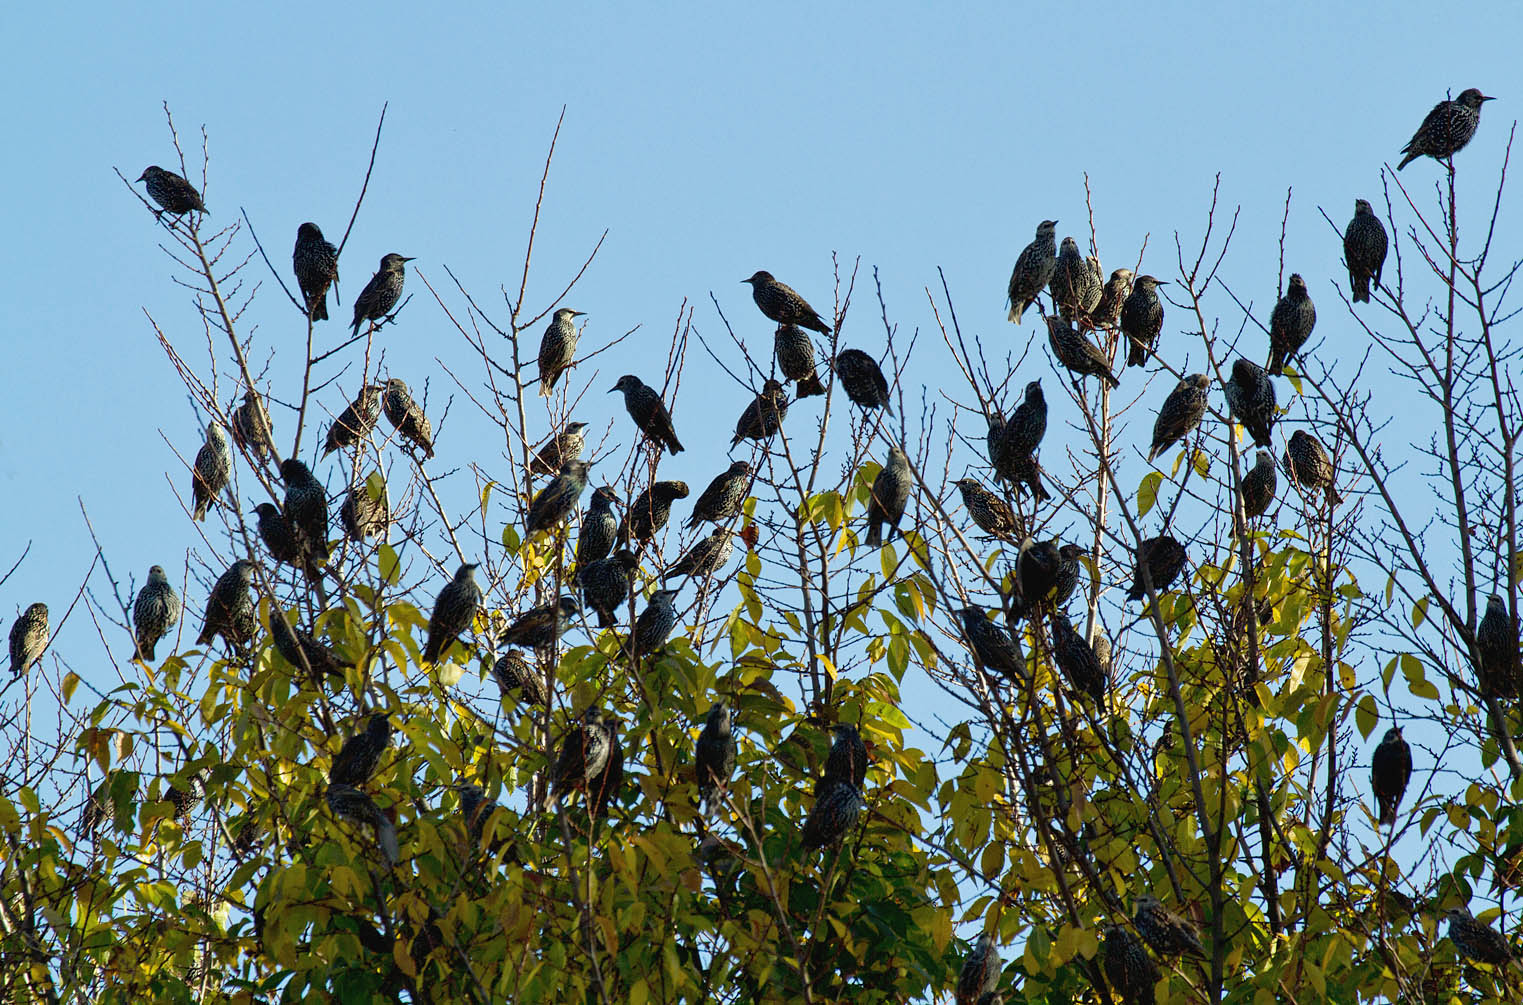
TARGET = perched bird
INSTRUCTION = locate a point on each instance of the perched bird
(724, 496)
(600, 527)
(356, 421)
(1165, 932)
(1290, 324)
(1033, 270)
(1022, 470)
(847, 760)
(539, 627)
(557, 349)
(890, 494)
(315, 263)
(454, 611)
(980, 972)
(1038, 567)
(604, 787)
(230, 608)
(989, 512)
(364, 515)
(1251, 399)
(1027, 425)
(1259, 485)
(278, 536)
(303, 652)
(350, 803)
(779, 303)
(1309, 466)
(213, 467)
(306, 507)
(715, 754)
(251, 426)
(1107, 314)
(862, 379)
(1443, 133)
(649, 411)
(1081, 357)
(795, 358)
(1475, 941)
(1068, 573)
(706, 557)
(1142, 319)
(179, 196)
(992, 647)
(564, 446)
(834, 813)
(1364, 250)
(1163, 558)
(764, 416)
(555, 502)
(406, 416)
(583, 755)
(1102, 647)
(1390, 769)
(606, 584)
(1129, 969)
(513, 672)
(1075, 289)
(361, 754)
(380, 295)
(29, 638)
(1181, 413)
(648, 514)
(154, 613)
(1496, 645)
(1076, 658)
(654, 625)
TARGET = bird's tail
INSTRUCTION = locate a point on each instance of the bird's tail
(810, 385)
(1137, 355)
(673, 445)
(1409, 158)
(1361, 290)
(546, 387)
(874, 535)
(320, 308)
(386, 834)
(1110, 379)
(142, 652)
(1014, 315)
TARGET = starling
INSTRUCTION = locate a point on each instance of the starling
(29, 637)
(1107, 313)
(1251, 399)
(558, 449)
(1163, 558)
(1496, 644)
(1033, 270)
(303, 652)
(1309, 466)
(364, 515)
(361, 754)
(476, 810)
(583, 755)
(989, 512)
(185, 798)
(1477, 942)
(230, 608)
(835, 812)
(350, 803)
(724, 496)
(1024, 432)
(1390, 769)
(1142, 319)
(454, 611)
(991, 646)
(154, 613)
(1443, 133)
(980, 972)
(1019, 470)
(654, 625)
(890, 494)
(1181, 413)
(1038, 566)
(557, 500)
(1102, 647)
(764, 416)
(715, 756)
(251, 426)
(406, 416)
(649, 412)
(706, 557)
(557, 349)
(1081, 357)
(1076, 658)
(539, 627)
(863, 379)
(380, 295)
(648, 514)
(1130, 970)
(1290, 324)
(606, 584)
(213, 467)
(356, 421)
(315, 263)
(1165, 932)
(179, 197)
(1364, 250)
(847, 760)
(779, 303)
(599, 528)
(1068, 573)
(795, 358)
(306, 507)
(1259, 485)
(515, 673)
(275, 530)
(1075, 288)
(604, 787)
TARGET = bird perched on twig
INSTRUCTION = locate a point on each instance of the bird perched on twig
(584, 754)
(564, 446)
(174, 193)
(1142, 319)
(555, 502)
(1309, 466)
(654, 625)
(863, 379)
(1128, 967)
(1033, 270)
(890, 494)
(711, 553)
(795, 358)
(350, 803)
(406, 416)
(298, 648)
(980, 972)
(1290, 324)
(600, 527)
(992, 647)
(1445, 130)
(251, 426)
(1075, 287)
(210, 473)
(847, 760)
(780, 303)
(1496, 644)
(539, 627)
(989, 512)
(1181, 413)
(380, 295)
(764, 416)
(1107, 313)
(1390, 769)
(363, 515)
(1163, 558)
(1038, 567)
(645, 406)
(1164, 931)
(156, 610)
(1364, 250)
(1023, 433)
(606, 584)
(715, 754)
(230, 608)
(29, 638)
(513, 672)
(1010, 466)
(360, 755)
(648, 514)
(1251, 399)
(1080, 356)
(724, 496)
(454, 610)
(557, 349)
(1259, 485)
(315, 262)
(356, 421)
(278, 536)
(1076, 658)
(306, 508)
(835, 812)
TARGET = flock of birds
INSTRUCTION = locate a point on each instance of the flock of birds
(590, 758)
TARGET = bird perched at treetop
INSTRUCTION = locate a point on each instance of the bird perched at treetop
(600, 527)
(654, 625)
(1444, 132)
(1027, 424)
(564, 446)
(251, 426)
(350, 803)
(174, 193)
(539, 627)
(1290, 324)
(1496, 644)
(795, 358)
(363, 515)
(1033, 270)
(834, 813)
(557, 349)
(230, 608)
(156, 610)
(1364, 250)
(1076, 658)
(648, 514)
(380, 295)
(29, 638)
(764, 416)
(1129, 969)
(513, 672)
(1142, 319)
(724, 496)
(315, 263)
(1181, 412)
(1259, 485)
(298, 648)
(606, 584)
(989, 512)
(779, 303)
(645, 406)
(306, 508)
(1309, 466)
(584, 753)
(1075, 288)
(991, 646)
(454, 610)
(1107, 314)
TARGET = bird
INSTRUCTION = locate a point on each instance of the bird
(779, 303)
(564, 446)
(356, 421)
(380, 295)
(1107, 313)
(454, 611)
(1444, 132)
(1068, 573)
(1163, 558)
(213, 468)
(1309, 466)
(539, 627)
(251, 427)
(604, 787)
(1142, 319)
(863, 379)
(1021, 470)
(303, 652)
(795, 358)
(557, 500)
(764, 416)
(1290, 324)
(1259, 485)
(706, 557)
(406, 416)
(1496, 646)
(364, 515)
(606, 584)
(1075, 288)
(1076, 658)
(1165, 932)
(1027, 425)
(980, 972)
(1102, 647)
(654, 625)
(278, 536)
(306, 507)
(724, 496)
(1129, 969)
(1364, 250)
(600, 527)
(174, 193)
(584, 753)
(360, 755)
(890, 494)
(513, 672)
(350, 803)
(648, 514)
(557, 349)
(1081, 357)
(156, 610)
(847, 760)
(1251, 399)
(649, 412)
(1038, 567)
(230, 608)
(315, 262)
(835, 812)
(1475, 941)
(1390, 770)
(992, 647)
(1033, 270)
(989, 512)
(714, 757)
(29, 638)
(1181, 413)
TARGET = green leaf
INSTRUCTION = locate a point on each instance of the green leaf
(390, 565)
(1147, 492)
(1417, 680)
(1366, 715)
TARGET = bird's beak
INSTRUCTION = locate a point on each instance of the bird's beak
(408, 258)
(1488, 97)
(1163, 282)
(578, 314)
(613, 389)
(142, 176)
